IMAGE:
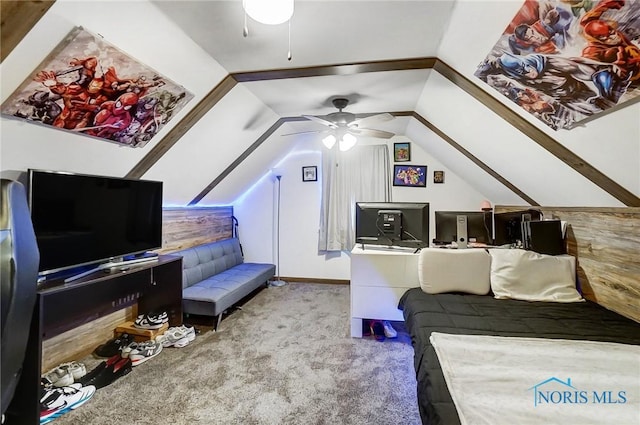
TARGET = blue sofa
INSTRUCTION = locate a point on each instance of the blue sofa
(215, 277)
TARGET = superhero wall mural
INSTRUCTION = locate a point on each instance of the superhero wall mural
(568, 60)
(88, 86)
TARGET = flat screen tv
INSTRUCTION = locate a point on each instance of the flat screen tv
(82, 219)
(479, 226)
(404, 224)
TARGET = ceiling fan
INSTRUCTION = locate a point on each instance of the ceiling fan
(344, 126)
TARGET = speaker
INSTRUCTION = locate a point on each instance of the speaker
(461, 234)
(545, 237)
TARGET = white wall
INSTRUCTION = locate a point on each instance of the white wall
(300, 211)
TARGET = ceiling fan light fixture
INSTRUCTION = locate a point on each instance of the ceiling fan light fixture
(347, 142)
(270, 12)
(329, 141)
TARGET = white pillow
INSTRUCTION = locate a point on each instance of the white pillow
(529, 276)
(454, 270)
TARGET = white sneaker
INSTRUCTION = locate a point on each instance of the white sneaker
(58, 377)
(389, 332)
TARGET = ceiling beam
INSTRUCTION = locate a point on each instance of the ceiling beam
(339, 69)
(242, 157)
(18, 17)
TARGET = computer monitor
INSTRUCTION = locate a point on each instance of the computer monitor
(393, 223)
(508, 225)
(479, 226)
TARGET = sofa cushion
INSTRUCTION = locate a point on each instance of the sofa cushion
(203, 261)
(217, 293)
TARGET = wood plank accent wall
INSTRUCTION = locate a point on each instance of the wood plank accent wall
(606, 244)
(186, 227)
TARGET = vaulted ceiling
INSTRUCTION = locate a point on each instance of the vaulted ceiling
(385, 56)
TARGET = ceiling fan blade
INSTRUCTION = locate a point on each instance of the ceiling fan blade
(320, 120)
(306, 132)
(369, 132)
(367, 121)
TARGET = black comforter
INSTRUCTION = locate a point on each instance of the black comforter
(485, 315)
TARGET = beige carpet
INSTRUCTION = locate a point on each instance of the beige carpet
(285, 358)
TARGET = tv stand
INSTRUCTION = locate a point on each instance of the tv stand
(153, 286)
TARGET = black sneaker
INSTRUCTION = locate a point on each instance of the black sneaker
(90, 376)
(111, 372)
(377, 330)
(113, 346)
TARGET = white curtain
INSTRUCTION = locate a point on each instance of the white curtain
(362, 174)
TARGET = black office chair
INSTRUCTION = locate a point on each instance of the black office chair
(19, 260)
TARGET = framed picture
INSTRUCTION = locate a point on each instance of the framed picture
(438, 176)
(310, 173)
(410, 175)
(89, 87)
(402, 152)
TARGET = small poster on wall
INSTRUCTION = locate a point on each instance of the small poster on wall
(410, 175)
(88, 86)
(402, 152)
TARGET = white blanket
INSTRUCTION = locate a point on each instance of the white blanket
(503, 380)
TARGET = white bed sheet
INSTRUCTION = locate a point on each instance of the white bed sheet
(508, 380)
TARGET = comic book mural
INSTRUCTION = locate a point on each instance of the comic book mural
(90, 87)
(567, 60)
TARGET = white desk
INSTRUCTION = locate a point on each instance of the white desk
(379, 277)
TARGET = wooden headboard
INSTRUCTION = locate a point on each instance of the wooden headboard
(606, 244)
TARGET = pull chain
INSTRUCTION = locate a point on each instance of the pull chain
(289, 52)
(245, 29)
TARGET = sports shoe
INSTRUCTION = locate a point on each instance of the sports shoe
(377, 330)
(77, 369)
(140, 352)
(146, 321)
(179, 336)
(171, 336)
(113, 369)
(190, 335)
(59, 401)
(113, 346)
(389, 332)
(58, 377)
(89, 377)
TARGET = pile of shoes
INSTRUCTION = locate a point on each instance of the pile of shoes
(382, 329)
(151, 320)
(67, 386)
(179, 336)
(63, 389)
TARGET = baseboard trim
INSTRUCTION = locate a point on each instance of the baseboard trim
(315, 280)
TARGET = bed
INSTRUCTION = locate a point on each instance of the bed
(448, 311)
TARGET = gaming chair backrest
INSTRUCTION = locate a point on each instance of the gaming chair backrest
(19, 260)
